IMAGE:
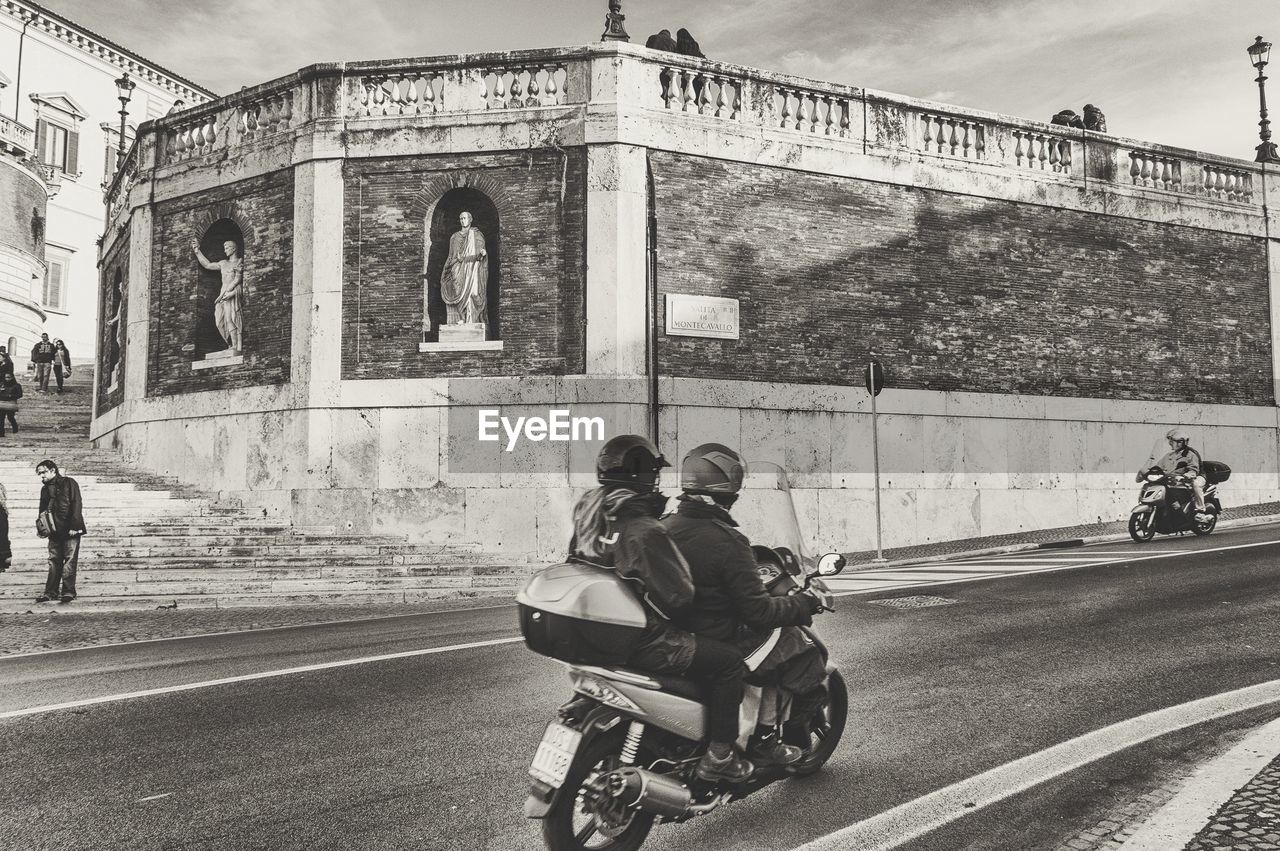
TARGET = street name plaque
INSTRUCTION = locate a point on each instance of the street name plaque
(702, 316)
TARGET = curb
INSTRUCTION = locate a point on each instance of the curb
(1206, 791)
(1066, 543)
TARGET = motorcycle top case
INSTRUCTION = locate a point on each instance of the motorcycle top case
(1215, 472)
(581, 614)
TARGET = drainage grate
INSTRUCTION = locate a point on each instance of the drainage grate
(919, 602)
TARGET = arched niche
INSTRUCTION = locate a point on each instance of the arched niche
(207, 338)
(441, 223)
(114, 322)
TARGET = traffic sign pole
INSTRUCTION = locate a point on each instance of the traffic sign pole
(875, 381)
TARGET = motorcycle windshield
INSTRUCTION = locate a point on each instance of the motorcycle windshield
(1158, 450)
(766, 513)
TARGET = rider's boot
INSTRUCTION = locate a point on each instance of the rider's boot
(721, 762)
(767, 751)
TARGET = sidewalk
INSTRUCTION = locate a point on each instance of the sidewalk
(1231, 802)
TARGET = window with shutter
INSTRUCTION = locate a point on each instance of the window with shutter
(73, 153)
(55, 284)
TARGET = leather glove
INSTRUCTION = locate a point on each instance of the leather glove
(815, 605)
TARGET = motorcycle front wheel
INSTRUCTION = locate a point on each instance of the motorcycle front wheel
(829, 729)
(574, 824)
(1142, 527)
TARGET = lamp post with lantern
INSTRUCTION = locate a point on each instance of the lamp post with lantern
(1259, 53)
(124, 91)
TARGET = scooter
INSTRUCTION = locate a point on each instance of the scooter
(620, 756)
(1166, 504)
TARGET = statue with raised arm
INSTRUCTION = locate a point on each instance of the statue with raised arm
(464, 283)
(227, 307)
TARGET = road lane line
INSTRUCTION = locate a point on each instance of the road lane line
(250, 630)
(262, 675)
(998, 573)
(908, 822)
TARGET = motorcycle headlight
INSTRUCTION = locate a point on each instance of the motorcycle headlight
(1154, 477)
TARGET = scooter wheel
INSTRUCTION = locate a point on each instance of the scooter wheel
(1206, 527)
(830, 727)
(571, 825)
(1142, 527)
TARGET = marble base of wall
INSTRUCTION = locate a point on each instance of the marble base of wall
(953, 465)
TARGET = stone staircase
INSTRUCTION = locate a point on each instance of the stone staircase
(153, 542)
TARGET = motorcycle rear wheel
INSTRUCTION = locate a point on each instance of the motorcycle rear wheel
(1205, 528)
(830, 728)
(1142, 531)
(568, 827)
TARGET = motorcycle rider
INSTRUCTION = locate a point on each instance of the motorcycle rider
(730, 594)
(1182, 459)
(616, 526)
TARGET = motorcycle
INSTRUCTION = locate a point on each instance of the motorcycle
(621, 754)
(1166, 504)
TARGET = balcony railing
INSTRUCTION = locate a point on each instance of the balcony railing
(672, 92)
(17, 139)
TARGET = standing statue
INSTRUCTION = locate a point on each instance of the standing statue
(464, 283)
(115, 352)
(227, 307)
(1094, 119)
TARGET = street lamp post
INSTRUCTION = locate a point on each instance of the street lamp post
(124, 91)
(1259, 52)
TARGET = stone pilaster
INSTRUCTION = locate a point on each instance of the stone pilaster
(616, 292)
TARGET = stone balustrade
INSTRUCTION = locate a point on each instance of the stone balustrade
(851, 121)
(17, 139)
(953, 135)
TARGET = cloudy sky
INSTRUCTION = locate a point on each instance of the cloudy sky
(1171, 71)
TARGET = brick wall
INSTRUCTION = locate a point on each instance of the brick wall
(956, 292)
(114, 268)
(539, 199)
(22, 211)
(182, 292)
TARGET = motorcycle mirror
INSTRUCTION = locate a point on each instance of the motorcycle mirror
(831, 564)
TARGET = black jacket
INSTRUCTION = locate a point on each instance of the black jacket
(640, 550)
(10, 392)
(61, 495)
(42, 352)
(6, 550)
(729, 591)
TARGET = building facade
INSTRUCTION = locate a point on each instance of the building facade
(412, 243)
(24, 189)
(61, 87)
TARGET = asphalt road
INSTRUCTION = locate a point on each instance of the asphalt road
(430, 751)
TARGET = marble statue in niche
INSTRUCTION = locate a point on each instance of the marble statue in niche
(228, 307)
(464, 283)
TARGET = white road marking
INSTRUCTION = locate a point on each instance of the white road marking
(1002, 567)
(1176, 824)
(153, 798)
(914, 819)
(246, 631)
(262, 675)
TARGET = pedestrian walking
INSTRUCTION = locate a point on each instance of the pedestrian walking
(6, 549)
(42, 357)
(6, 362)
(61, 363)
(10, 393)
(60, 498)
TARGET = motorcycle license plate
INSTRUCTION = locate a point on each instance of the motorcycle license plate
(555, 754)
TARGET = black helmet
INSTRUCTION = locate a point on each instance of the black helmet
(630, 460)
(712, 469)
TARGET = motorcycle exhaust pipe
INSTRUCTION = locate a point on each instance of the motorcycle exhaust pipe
(650, 792)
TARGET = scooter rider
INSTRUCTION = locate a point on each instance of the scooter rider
(1181, 458)
(616, 526)
(730, 594)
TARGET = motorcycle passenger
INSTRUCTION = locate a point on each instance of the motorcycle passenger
(1181, 458)
(616, 526)
(730, 594)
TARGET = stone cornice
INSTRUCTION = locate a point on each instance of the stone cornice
(92, 44)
